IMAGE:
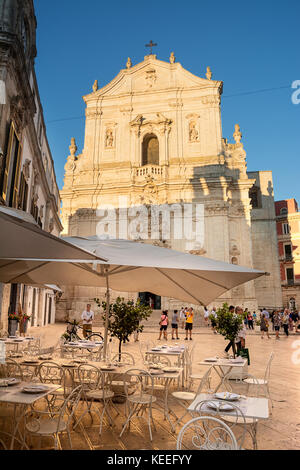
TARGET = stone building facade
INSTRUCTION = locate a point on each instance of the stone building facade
(153, 139)
(288, 232)
(27, 177)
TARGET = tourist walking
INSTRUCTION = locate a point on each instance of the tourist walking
(250, 321)
(189, 323)
(231, 344)
(206, 315)
(264, 326)
(285, 321)
(164, 325)
(174, 324)
(87, 317)
(240, 340)
(276, 323)
(182, 317)
(291, 322)
(213, 321)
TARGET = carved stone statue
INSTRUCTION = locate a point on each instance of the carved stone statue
(208, 73)
(237, 134)
(172, 58)
(73, 147)
(109, 139)
(128, 63)
(193, 133)
(95, 86)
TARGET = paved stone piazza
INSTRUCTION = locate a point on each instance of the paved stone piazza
(280, 431)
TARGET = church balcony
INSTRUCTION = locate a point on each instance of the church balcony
(155, 171)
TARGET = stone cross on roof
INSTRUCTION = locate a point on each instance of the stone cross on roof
(151, 44)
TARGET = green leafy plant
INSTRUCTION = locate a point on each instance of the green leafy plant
(124, 318)
(228, 324)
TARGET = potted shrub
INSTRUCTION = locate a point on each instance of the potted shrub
(257, 325)
(125, 318)
(228, 324)
(13, 320)
(25, 321)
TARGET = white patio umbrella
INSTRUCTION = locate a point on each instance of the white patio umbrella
(21, 237)
(138, 267)
(134, 267)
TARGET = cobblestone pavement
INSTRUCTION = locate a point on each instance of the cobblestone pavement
(280, 431)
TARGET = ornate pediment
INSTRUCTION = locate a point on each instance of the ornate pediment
(156, 123)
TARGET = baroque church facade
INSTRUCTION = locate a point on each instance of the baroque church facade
(153, 139)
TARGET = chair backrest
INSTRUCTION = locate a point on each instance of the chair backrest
(142, 379)
(13, 369)
(235, 421)
(69, 406)
(50, 372)
(268, 368)
(90, 377)
(206, 433)
(123, 358)
(205, 381)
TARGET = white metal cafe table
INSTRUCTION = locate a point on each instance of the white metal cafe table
(12, 392)
(253, 408)
(171, 351)
(218, 365)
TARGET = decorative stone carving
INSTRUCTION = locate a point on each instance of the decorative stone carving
(92, 113)
(211, 100)
(109, 138)
(150, 77)
(237, 134)
(73, 147)
(95, 86)
(41, 212)
(159, 125)
(26, 170)
(172, 58)
(51, 224)
(128, 63)
(208, 73)
(199, 252)
(193, 133)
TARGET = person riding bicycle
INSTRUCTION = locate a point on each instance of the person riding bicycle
(87, 319)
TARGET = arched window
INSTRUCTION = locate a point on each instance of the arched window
(234, 260)
(283, 211)
(150, 150)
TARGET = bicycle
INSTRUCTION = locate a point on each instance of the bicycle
(71, 334)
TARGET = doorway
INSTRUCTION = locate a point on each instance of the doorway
(147, 298)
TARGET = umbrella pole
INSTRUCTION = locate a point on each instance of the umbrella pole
(106, 313)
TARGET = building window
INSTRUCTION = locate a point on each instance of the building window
(283, 211)
(290, 276)
(285, 228)
(288, 252)
(150, 150)
(234, 260)
(12, 169)
(255, 197)
(292, 304)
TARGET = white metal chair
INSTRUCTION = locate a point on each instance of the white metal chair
(95, 389)
(236, 421)
(50, 424)
(250, 424)
(206, 433)
(141, 400)
(262, 383)
(184, 398)
(50, 372)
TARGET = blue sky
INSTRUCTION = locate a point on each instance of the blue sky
(250, 46)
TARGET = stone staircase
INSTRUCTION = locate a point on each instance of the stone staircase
(153, 321)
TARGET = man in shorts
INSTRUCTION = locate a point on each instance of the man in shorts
(87, 319)
(189, 323)
(175, 324)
